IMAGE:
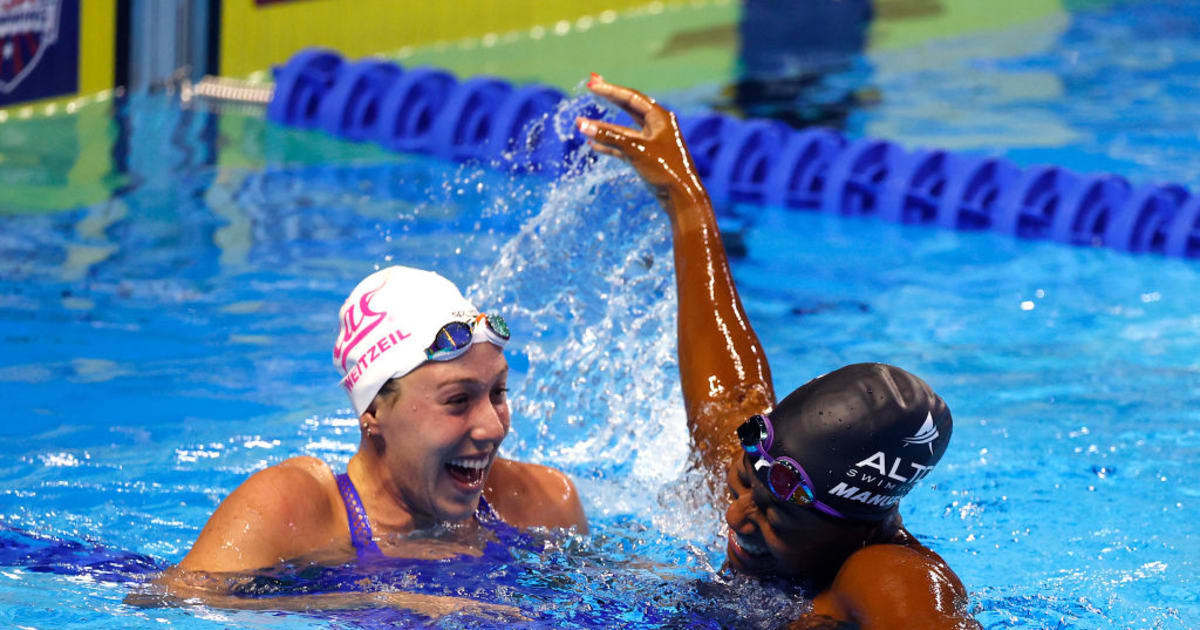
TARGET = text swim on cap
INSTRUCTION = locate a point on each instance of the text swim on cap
(866, 434)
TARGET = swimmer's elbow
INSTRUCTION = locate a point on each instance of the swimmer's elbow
(139, 599)
(154, 595)
(178, 587)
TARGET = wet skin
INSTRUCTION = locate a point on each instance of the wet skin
(724, 372)
(781, 538)
(874, 575)
(445, 413)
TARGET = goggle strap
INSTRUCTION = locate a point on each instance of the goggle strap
(770, 439)
(828, 510)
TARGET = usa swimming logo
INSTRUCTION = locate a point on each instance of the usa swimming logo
(27, 29)
(925, 435)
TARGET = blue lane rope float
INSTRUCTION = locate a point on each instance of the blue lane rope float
(521, 133)
(409, 108)
(350, 107)
(301, 85)
(527, 129)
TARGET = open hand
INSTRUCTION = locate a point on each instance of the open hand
(656, 150)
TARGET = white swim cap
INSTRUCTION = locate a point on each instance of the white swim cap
(387, 323)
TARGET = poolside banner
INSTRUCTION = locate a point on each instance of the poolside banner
(39, 49)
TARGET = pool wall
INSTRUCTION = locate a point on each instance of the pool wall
(122, 46)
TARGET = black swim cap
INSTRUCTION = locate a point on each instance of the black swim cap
(865, 433)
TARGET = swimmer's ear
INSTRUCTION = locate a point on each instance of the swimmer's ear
(367, 422)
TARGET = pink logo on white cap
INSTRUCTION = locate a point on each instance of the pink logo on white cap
(357, 324)
(386, 324)
(356, 330)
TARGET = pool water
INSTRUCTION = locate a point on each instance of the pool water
(159, 347)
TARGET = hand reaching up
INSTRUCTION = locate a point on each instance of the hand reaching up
(656, 150)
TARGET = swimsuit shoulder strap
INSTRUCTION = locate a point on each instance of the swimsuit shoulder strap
(363, 538)
(484, 511)
(507, 534)
(361, 535)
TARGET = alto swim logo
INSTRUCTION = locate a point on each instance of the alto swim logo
(27, 29)
(925, 435)
(881, 479)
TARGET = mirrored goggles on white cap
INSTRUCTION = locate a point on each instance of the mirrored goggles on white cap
(455, 338)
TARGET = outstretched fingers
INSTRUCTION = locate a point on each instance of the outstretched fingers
(603, 150)
(644, 110)
(611, 139)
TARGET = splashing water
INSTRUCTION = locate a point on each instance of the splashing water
(581, 267)
(588, 282)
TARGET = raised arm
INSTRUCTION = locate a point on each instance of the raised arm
(722, 367)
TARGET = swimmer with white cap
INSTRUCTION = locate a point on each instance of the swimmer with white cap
(815, 480)
(426, 374)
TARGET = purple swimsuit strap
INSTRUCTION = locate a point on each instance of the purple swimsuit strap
(361, 535)
(360, 528)
(484, 512)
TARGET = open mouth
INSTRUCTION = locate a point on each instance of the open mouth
(469, 471)
(748, 546)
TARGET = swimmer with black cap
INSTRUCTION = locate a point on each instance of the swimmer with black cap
(815, 480)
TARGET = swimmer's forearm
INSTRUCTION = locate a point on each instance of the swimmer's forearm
(288, 603)
(723, 369)
(429, 605)
(687, 204)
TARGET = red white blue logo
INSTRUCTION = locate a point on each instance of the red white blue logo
(27, 29)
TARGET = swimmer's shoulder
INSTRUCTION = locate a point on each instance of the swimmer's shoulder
(281, 512)
(882, 585)
(531, 495)
(298, 487)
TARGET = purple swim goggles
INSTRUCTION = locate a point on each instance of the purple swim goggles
(783, 476)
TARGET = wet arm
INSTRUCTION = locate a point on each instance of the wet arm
(723, 370)
(195, 589)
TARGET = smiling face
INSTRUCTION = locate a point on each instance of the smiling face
(769, 537)
(441, 433)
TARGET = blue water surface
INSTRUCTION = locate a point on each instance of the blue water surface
(157, 348)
